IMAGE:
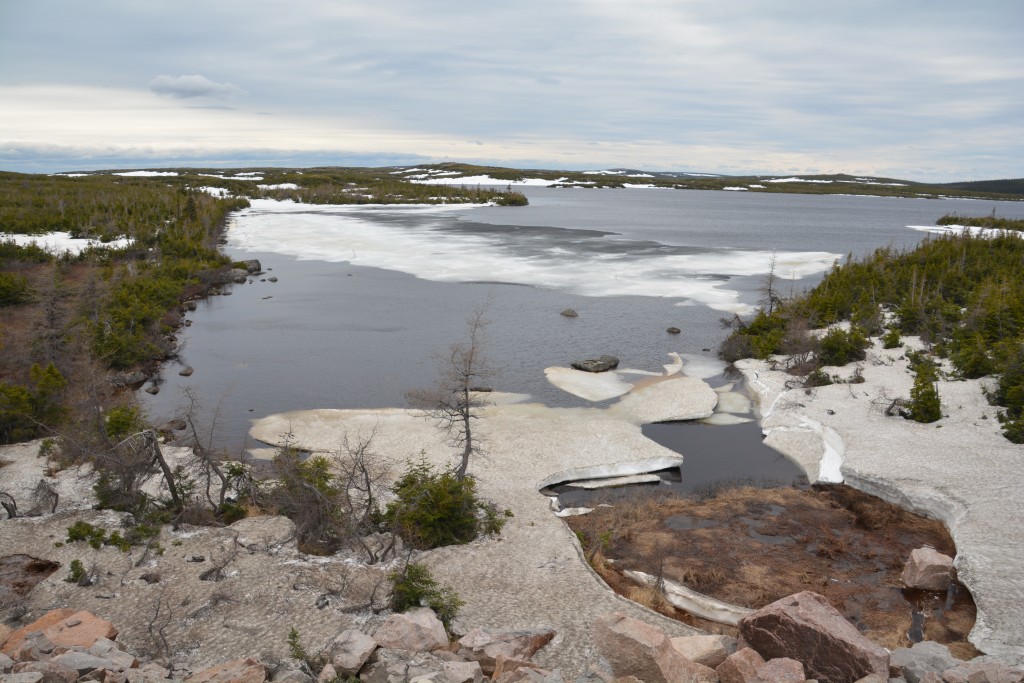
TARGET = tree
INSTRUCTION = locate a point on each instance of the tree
(770, 299)
(455, 403)
(924, 395)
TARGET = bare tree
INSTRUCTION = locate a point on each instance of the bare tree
(456, 402)
(770, 299)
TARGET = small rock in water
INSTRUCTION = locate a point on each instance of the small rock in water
(186, 371)
(569, 313)
(673, 330)
(153, 389)
(272, 279)
(602, 364)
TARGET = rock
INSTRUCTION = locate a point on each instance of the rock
(417, 629)
(983, 672)
(673, 330)
(253, 266)
(129, 378)
(83, 662)
(781, 670)
(913, 662)
(24, 677)
(350, 650)
(402, 666)
(503, 665)
(677, 668)
(602, 364)
(236, 671)
(152, 671)
(294, 676)
(569, 313)
(740, 667)
(272, 279)
(6, 663)
(707, 650)
(630, 646)
(175, 425)
(186, 371)
(52, 672)
(327, 673)
(486, 646)
(4, 632)
(805, 627)
(152, 389)
(928, 569)
(462, 672)
(877, 678)
(265, 531)
(238, 276)
(16, 638)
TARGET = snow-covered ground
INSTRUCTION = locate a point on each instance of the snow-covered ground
(60, 242)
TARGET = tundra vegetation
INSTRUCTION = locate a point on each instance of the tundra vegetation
(962, 294)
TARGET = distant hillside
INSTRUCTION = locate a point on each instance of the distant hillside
(1007, 186)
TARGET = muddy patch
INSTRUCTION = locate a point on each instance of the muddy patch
(19, 574)
(751, 546)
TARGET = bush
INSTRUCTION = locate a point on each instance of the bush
(891, 339)
(839, 347)
(433, 509)
(13, 289)
(924, 396)
(817, 378)
(414, 586)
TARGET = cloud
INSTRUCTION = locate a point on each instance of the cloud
(193, 86)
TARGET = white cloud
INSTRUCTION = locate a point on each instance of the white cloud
(192, 86)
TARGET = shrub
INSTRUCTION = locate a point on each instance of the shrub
(433, 509)
(414, 586)
(924, 396)
(891, 339)
(14, 289)
(817, 378)
(840, 347)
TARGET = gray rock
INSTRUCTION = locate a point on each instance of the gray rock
(24, 677)
(602, 364)
(569, 313)
(401, 666)
(805, 627)
(417, 629)
(928, 569)
(6, 664)
(350, 650)
(673, 330)
(486, 646)
(630, 646)
(52, 672)
(253, 266)
(293, 676)
(983, 672)
(186, 371)
(915, 661)
(462, 672)
(83, 662)
(707, 650)
(238, 276)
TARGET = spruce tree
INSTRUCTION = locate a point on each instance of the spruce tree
(924, 396)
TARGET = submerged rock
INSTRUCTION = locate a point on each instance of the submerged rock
(602, 364)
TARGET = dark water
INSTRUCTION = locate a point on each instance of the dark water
(333, 333)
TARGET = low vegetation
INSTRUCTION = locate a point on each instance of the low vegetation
(962, 294)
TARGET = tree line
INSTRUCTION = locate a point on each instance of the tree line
(963, 294)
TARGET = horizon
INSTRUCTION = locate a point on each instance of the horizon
(932, 91)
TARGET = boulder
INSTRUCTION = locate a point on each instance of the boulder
(602, 364)
(186, 371)
(677, 668)
(264, 531)
(877, 678)
(913, 662)
(6, 663)
(327, 674)
(238, 276)
(246, 670)
(83, 662)
(292, 676)
(983, 672)
(52, 672)
(350, 650)
(402, 666)
(486, 646)
(707, 650)
(16, 638)
(928, 569)
(740, 667)
(253, 266)
(417, 629)
(462, 672)
(781, 670)
(24, 677)
(630, 646)
(805, 627)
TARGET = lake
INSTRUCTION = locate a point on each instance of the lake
(367, 296)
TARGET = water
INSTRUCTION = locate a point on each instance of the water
(367, 297)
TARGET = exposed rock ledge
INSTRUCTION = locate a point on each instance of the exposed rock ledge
(959, 470)
(534, 574)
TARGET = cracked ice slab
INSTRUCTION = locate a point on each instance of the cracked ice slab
(959, 470)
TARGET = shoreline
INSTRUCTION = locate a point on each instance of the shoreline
(959, 470)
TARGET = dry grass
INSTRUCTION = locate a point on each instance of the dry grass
(649, 597)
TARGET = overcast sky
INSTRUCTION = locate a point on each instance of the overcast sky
(916, 89)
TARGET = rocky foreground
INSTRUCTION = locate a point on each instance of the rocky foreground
(797, 639)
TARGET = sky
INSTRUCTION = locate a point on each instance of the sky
(927, 90)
